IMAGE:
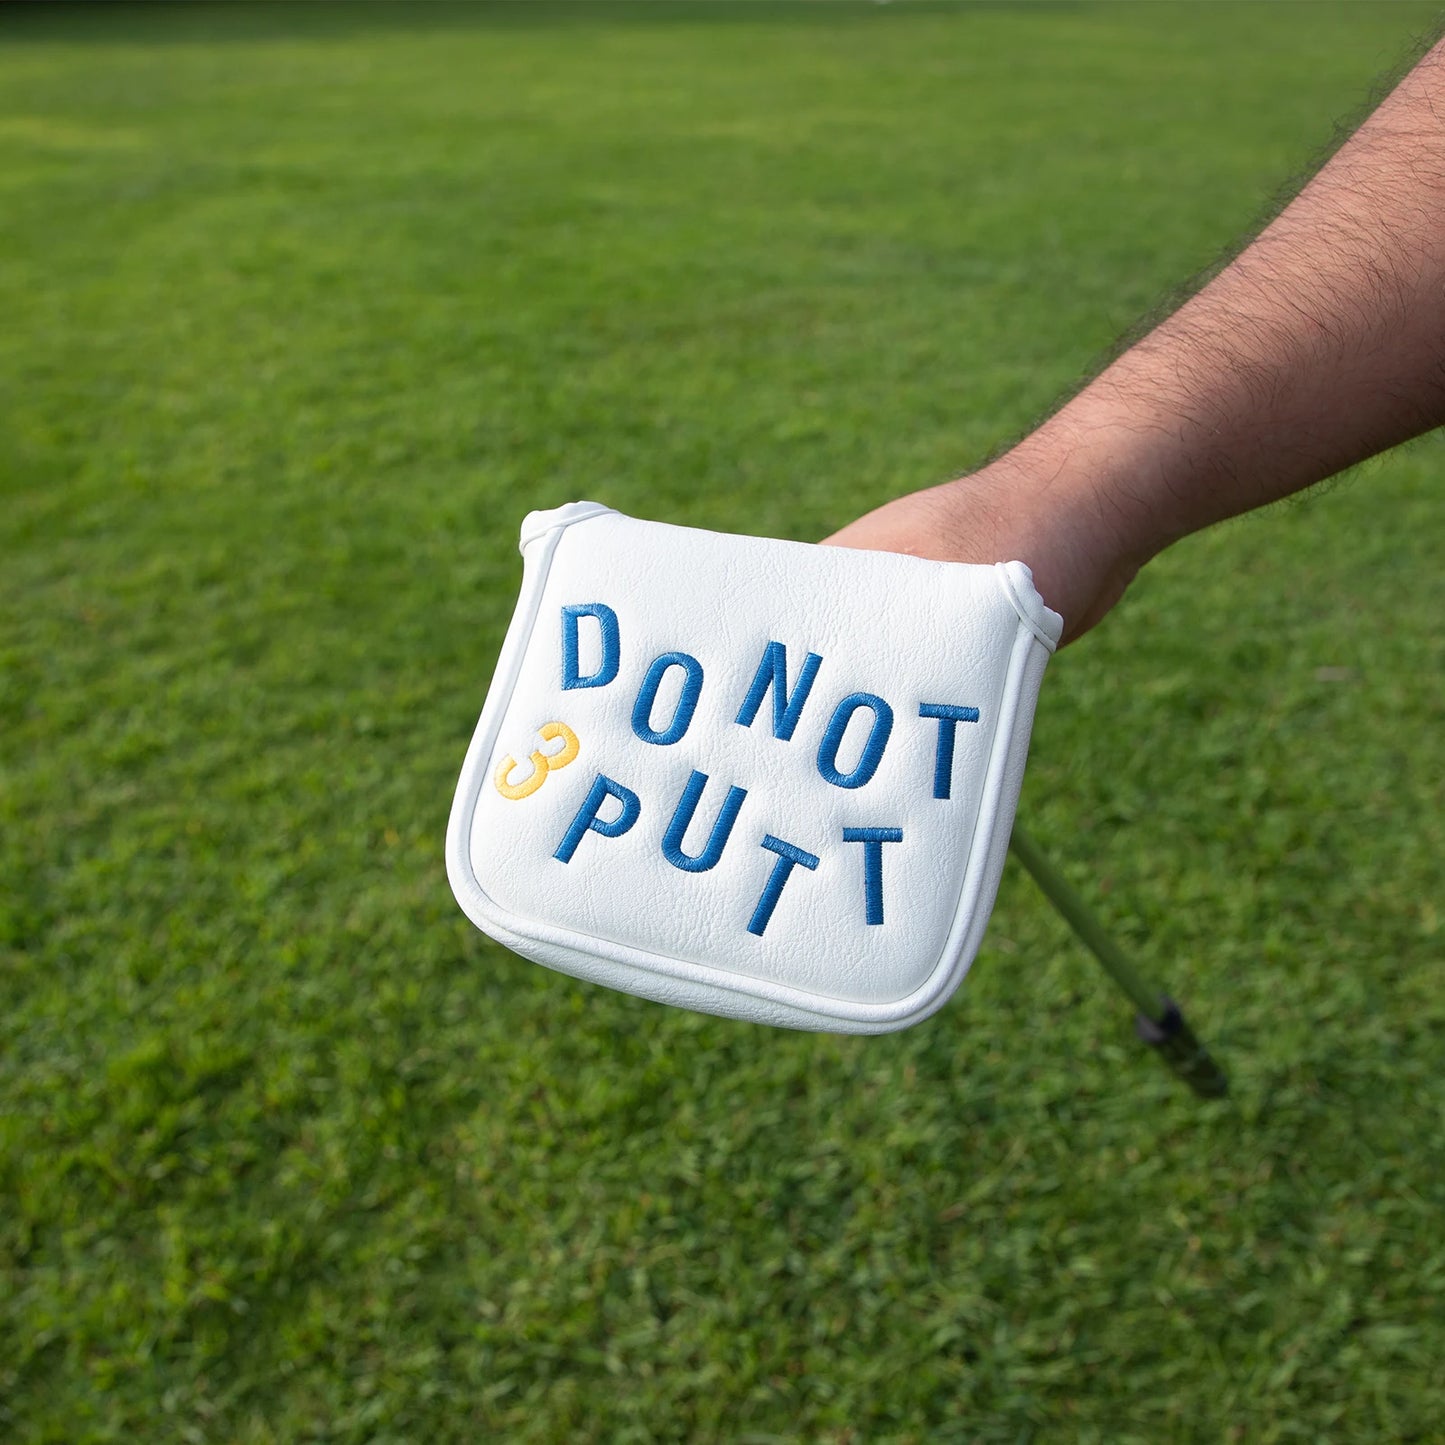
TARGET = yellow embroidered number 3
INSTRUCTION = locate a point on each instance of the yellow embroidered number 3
(542, 763)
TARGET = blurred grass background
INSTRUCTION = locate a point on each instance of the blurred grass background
(300, 310)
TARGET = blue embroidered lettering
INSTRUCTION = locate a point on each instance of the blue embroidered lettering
(948, 719)
(611, 645)
(682, 818)
(686, 702)
(588, 817)
(873, 840)
(788, 858)
(872, 750)
(773, 672)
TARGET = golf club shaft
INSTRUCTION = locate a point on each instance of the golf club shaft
(1062, 894)
(1160, 1022)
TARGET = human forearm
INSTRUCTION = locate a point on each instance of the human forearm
(1321, 344)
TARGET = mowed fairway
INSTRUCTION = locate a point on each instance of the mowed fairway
(300, 311)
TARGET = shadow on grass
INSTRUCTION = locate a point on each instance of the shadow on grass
(207, 23)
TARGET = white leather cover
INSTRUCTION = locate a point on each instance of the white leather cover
(836, 868)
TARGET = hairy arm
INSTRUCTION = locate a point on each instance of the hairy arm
(1320, 344)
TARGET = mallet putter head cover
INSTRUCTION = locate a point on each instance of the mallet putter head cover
(762, 779)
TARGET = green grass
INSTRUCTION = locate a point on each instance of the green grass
(299, 312)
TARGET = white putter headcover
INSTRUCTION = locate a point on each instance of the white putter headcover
(758, 778)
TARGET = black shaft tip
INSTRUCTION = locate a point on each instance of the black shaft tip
(1175, 1042)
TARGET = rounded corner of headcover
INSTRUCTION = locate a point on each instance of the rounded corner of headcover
(537, 524)
(1017, 580)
